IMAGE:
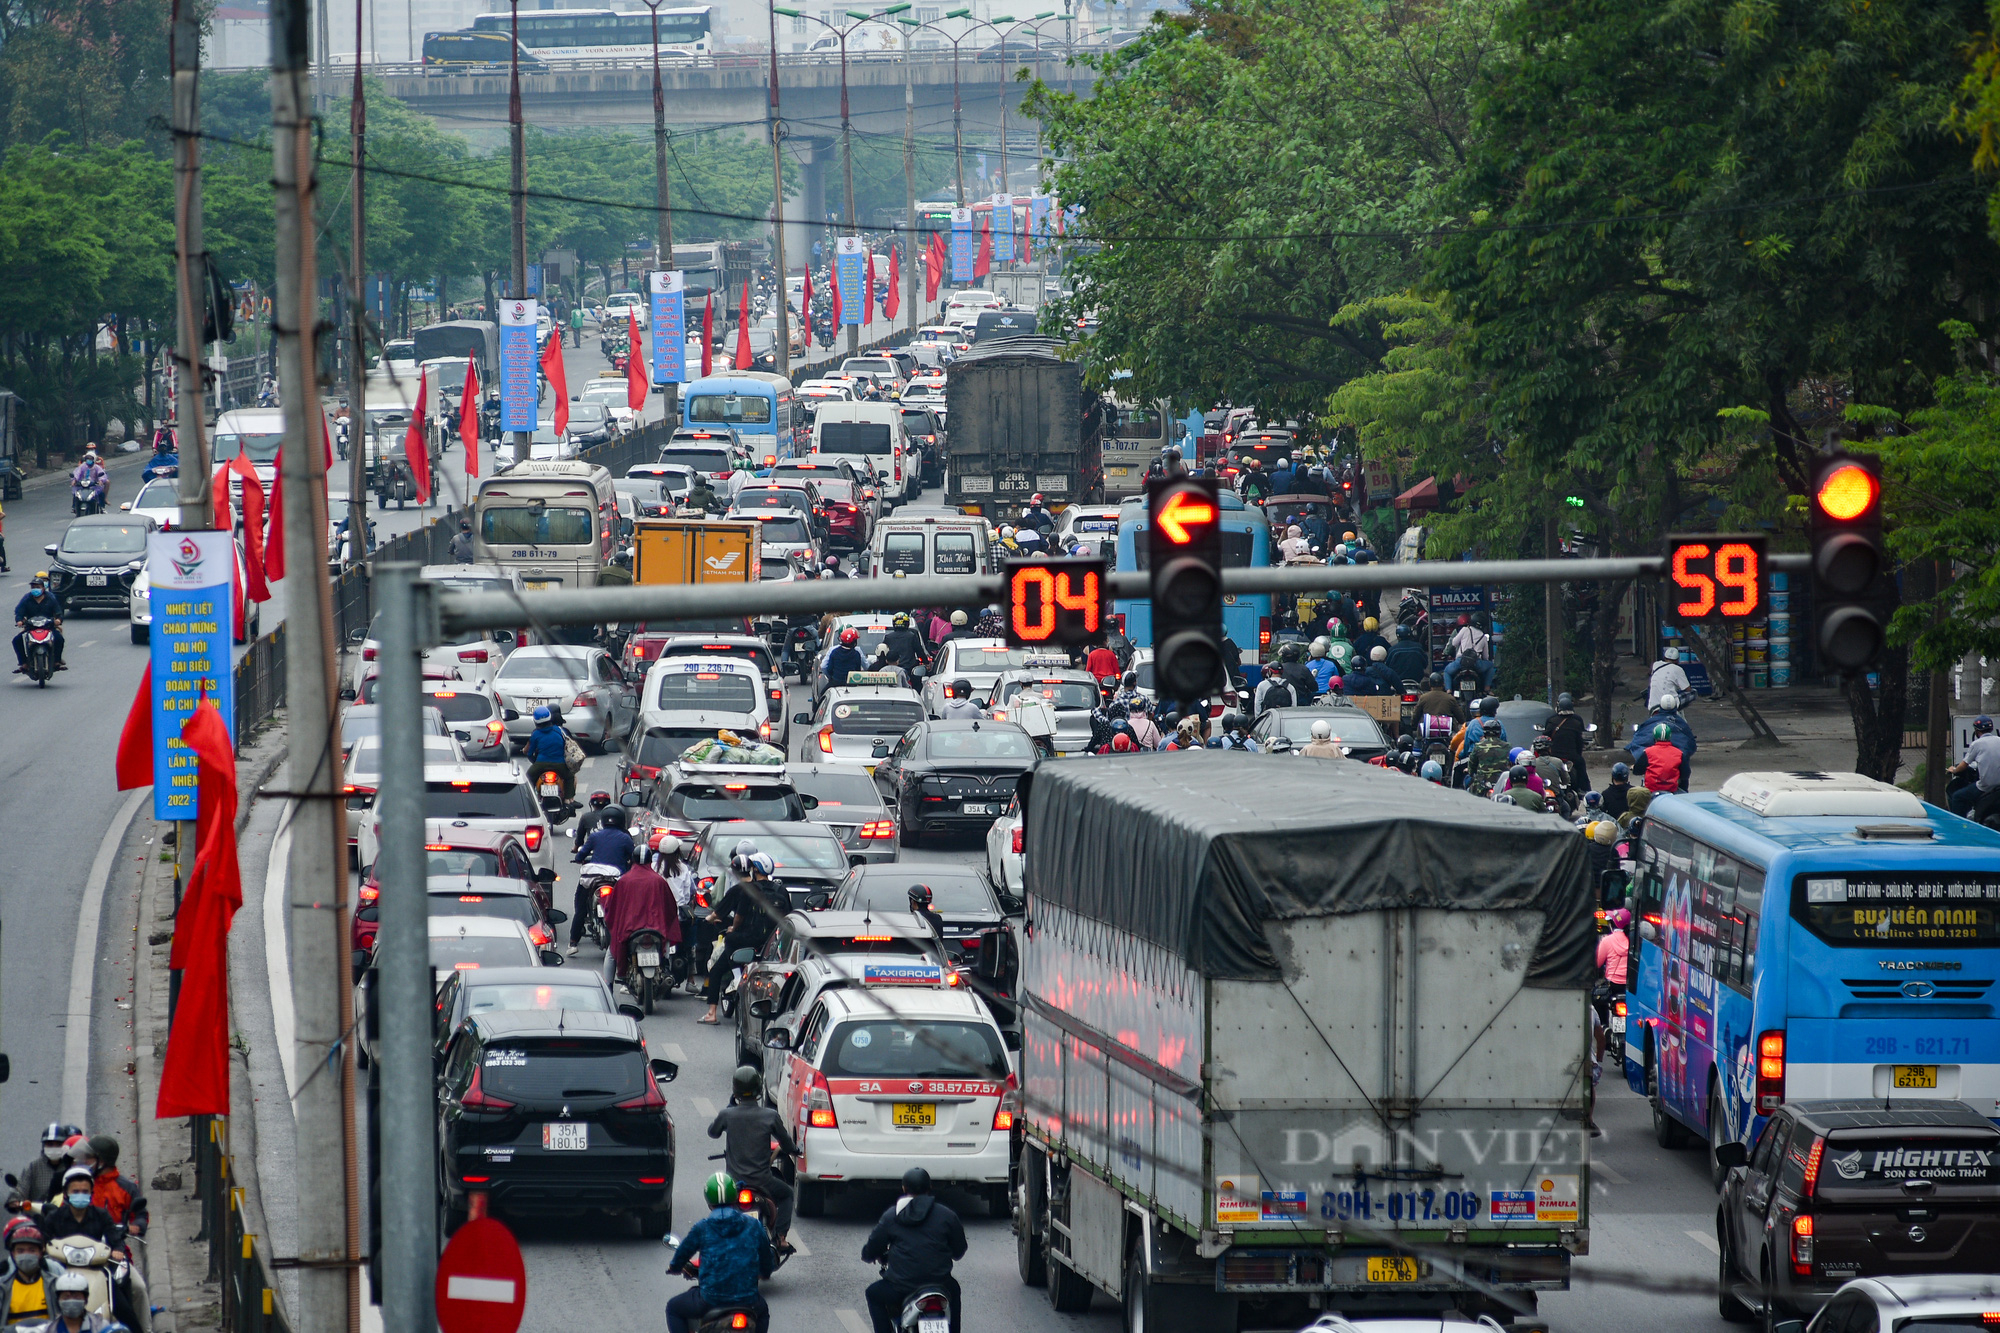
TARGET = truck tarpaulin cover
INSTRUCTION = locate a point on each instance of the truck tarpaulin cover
(1196, 853)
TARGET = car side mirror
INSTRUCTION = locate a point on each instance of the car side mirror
(371, 912)
(556, 916)
(802, 719)
(743, 957)
(664, 1071)
(552, 958)
(50, 549)
(631, 1011)
(360, 960)
(509, 715)
(545, 876)
(356, 635)
(880, 750)
(763, 1008)
(1728, 1156)
(809, 802)
(778, 1039)
(632, 800)
(1011, 1037)
(127, 506)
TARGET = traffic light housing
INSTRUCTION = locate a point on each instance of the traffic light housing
(1853, 595)
(1184, 549)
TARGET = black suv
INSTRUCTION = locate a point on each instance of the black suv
(93, 566)
(554, 1113)
(1835, 1190)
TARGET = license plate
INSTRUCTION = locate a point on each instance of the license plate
(1916, 1076)
(1618, 1024)
(1395, 1268)
(914, 1113)
(96, 580)
(933, 1325)
(540, 585)
(1118, 471)
(566, 1137)
(649, 958)
(972, 809)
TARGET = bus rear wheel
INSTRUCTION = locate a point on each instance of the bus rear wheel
(1667, 1131)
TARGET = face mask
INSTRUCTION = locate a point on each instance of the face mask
(29, 1265)
(79, 1201)
(52, 1151)
(70, 1309)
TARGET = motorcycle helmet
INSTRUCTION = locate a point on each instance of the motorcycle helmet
(1489, 706)
(1035, 499)
(1004, 532)
(542, 713)
(23, 1232)
(916, 1180)
(746, 1082)
(957, 619)
(1565, 701)
(848, 638)
(1982, 725)
(1107, 683)
(1436, 681)
(1541, 745)
(739, 858)
(901, 621)
(614, 817)
(1670, 702)
(920, 897)
(1322, 731)
(833, 562)
(762, 864)
(1378, 653)
(961, 688)
(1515, 755)
(1518, 773)
(1663, 732)
(1432, 771)
(40, 581)
(1621, 771)
(719, 1189)
(1370, 625)
(1337, 628)
(599, 799)
(1593, 801)
(1319, 647)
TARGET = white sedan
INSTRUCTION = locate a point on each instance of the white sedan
(1004, 849)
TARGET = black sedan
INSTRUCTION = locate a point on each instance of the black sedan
(555, 1113)
(467, 994)
(1354, 729)
(93, 566)
(956, 774)
(809, 858)
(961, 895)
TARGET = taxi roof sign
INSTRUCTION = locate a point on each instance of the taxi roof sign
(901, 973)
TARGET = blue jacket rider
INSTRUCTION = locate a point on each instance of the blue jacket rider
(735, 1252)
(546, 752)
(39, 601)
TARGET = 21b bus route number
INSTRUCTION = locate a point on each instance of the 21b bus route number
(1400, 1206)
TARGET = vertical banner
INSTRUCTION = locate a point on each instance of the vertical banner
(1003, 228)
(517, 365)
(534, 279)
(849, 262)
(192, 574)
(964, 244)
(1038, 218)
(669, 289)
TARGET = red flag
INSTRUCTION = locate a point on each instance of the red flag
(833, 285)
(552, 367)
(326, 441)
(255, 587)
(194, 1076)
(636, 383)
(468, 419)
(892, 300)
(934, 255)
(744, 358)
(868, 292)
(984, 264)
(135, 742)
(708, 336)
(274, 523)
(416, 442)
(1026, 246)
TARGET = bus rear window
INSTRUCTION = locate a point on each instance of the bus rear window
(1877, 910)
(535, 525)
(1236, 544)
(731, 408)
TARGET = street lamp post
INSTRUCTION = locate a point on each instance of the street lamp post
(518, 186)
(662, 200)
(784, 348)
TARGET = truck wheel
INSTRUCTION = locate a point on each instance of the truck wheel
(1068, 1292)
(1667, 1131)
(1138, 1295)
(811, 1200)
(1028, 1255)
(1726, 1304)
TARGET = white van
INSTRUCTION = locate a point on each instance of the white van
(554, 521)
(933, 544)
(689, 699)
(869, 435)
(257, 432)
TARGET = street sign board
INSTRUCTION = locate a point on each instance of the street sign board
(482, 1285)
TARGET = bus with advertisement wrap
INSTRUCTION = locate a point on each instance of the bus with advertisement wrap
(1246, 544)
(1809, 935)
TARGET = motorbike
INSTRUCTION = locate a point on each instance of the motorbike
(1465, 688)
(719, 1318)
(394, 481)
(750, 1199)
(85, 500)
(597, 880)
(549, 791)
(101, 1266)
(1408, 714)
(41, 649)
(925, 1310)
(801, 647)
(648, 967)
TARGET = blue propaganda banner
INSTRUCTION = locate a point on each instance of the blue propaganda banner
(193, 576)
(850, 271)
(964, 245)
(1003, 228)
(518, 366)
(1038, 218)
(669, 326)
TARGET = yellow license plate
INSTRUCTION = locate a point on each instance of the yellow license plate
(915, 1113)
(540, 585)
(1916, 1076)
(1393, 1269)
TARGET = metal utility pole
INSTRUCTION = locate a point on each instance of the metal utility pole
(1005, 188)
(909, 241)
(357, 306)
(190, 273)
(662, 199)
(1552, 619)
(316, 873)
(957, 114)
(778, 213)
(847, 177)
(403, 992)
(517, 187)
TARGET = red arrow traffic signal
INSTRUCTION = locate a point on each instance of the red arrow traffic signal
(1180, 510)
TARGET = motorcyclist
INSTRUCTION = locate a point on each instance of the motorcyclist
(1667, 677)
(38, 601)
(1982, 758)
(92, 478)
(112, 1192)
(1322, 745)
(461, 543)
(1489, 755)
(844, 658)
(701, 496)
(1274, 692)
(959, 702)
(749, 912)
(1322, 666)
(1436, 701)
(1036, 516)
(593, 815)
(1233, 735)
(547, 753)
(608, 845)
(1386, 680)
(1489, 715)
(31, 1291)
(1102, 662)
(1618, 791)
(735, 1252)
(1408, 659)
(642, 900)
(1668, 714)
(903, 644)
(72, 1213)
(1519, 784)
(920, 906)
(748, 1128)
(916, 1240)
(1662, 758)
(1145, 733)
(1370, 638)
(1565, 733)
(1338, 648)
(41, 1179)
(1254, 486)
(1291, 665)
(1295, 548)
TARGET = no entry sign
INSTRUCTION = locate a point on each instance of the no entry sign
(482, 1286)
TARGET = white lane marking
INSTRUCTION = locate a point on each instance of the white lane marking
(1609, 1172)
(672, 1051)
(704, 1106)
(799, 1247)
(83, 961)
(277, 955)
(1706, 1241)
(852, 1321)
(88, 643)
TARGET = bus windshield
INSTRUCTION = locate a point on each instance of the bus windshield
(535, 525)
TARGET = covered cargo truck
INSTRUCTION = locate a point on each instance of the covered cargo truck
(1298, 1037)
(1021, 423)
(694, 550)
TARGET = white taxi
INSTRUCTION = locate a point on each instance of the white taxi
(900, 1071)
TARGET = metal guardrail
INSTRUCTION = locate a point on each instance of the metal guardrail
(260, 684)
(669, 62)
(249, 1295)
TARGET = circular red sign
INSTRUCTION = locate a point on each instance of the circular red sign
(482, 1285)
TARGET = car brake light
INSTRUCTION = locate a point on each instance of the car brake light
(370, 892)
(472, 897)
(819, 1104)
(461, 786)
(1020, 837)
(881, 828)
(1010, 1104)
(736, 786)
(1812, 1164)
(476, 1097)
(1770, 1071)
(475, 1180)
(536, 933)
(355, 789)
(826, 740)
(472, 654)
(445, 694)
(1802, 1244)
(649, 1100)
(496, 728)
(367, 654)
(533, 836)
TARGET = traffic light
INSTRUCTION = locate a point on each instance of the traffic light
(1184, 549)
(1852, 593)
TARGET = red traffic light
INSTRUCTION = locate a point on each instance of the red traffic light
(1716, 577)
(1847, 492)
(1182, 514)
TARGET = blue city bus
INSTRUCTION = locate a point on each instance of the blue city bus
(759, 406)
(1246, 544)
(1806, 935)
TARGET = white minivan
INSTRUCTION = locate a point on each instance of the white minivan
(869, 435)
(689, 699)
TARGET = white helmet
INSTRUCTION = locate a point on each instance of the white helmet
(72, 1280)
(1320, 646)
(1322, 731)
(1670, 701)
(1671, 655)
(1378, 654)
